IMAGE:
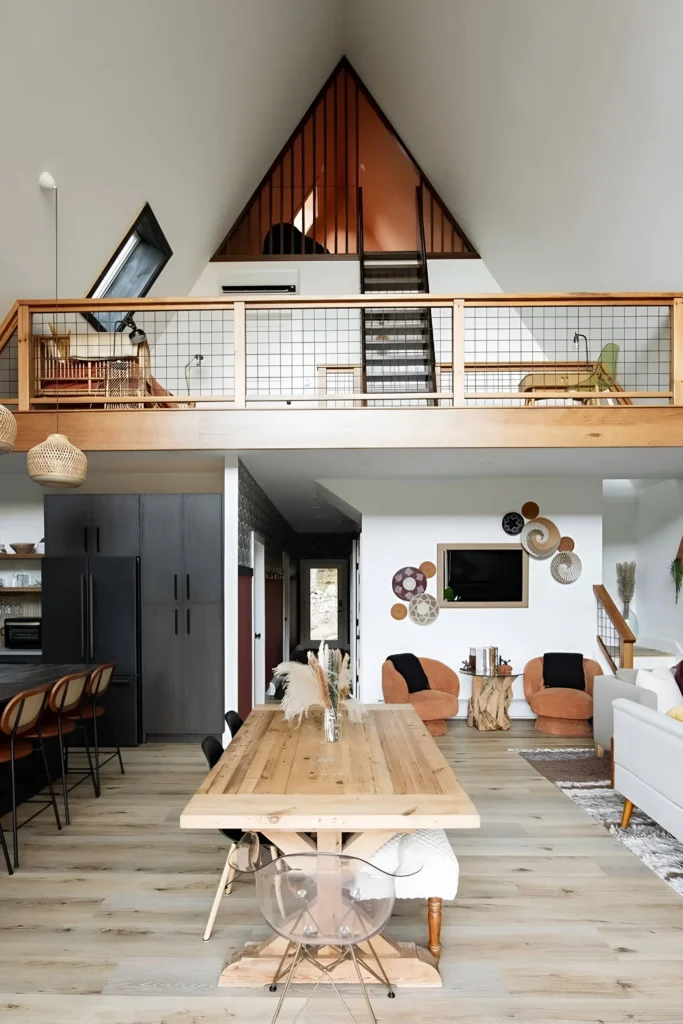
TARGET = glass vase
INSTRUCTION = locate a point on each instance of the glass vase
(331, 726)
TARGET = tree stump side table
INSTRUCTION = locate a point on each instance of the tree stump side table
(489, 703)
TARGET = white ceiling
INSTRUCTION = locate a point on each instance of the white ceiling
(552, 128)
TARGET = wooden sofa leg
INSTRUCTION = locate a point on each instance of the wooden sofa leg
(611, 764)
(434, 905)
(599, 750)
(626, 816)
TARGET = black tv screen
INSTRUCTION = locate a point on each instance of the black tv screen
(486, 575)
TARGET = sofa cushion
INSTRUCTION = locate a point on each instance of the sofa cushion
(559, 702)
(408, 666)
(676, 714)
(564, 670)
(431, 704)
(678, 675)
(663, 684)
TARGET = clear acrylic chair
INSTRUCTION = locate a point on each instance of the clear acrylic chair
(326, 899)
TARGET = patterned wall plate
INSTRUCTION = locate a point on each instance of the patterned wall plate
(428, 568)
(566, 567)
(423, 609)
(513, 523)
(541, 538)
(398, 611)
(408, 582)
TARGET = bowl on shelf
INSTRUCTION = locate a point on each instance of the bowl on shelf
(23, 549)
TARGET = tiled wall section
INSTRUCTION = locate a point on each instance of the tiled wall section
(257, 513)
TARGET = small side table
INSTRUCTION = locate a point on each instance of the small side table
(490, 700)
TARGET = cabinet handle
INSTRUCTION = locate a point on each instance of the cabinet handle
(175, 589)
(85, 538)
(176, 622)
(188, 621)
(97, 539)
(187, 586)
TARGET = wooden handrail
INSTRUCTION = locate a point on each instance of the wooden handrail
(626, 636)
(9, 324)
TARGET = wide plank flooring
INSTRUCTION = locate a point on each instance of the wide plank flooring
(555, 920)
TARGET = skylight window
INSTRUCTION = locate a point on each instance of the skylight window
(133, 268)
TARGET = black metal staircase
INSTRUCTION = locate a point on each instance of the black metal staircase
(398, 344)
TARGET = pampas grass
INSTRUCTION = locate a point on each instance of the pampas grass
(325, 682)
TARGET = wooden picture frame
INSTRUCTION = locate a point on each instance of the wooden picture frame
(441, 552)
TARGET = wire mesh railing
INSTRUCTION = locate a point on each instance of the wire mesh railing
(396, 350)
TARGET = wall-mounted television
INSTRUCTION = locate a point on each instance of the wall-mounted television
(482, 576)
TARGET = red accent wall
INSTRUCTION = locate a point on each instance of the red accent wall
(274, 599)
(245, 646)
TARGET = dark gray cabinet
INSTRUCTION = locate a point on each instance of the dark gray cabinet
(92, 524)
(182, 613)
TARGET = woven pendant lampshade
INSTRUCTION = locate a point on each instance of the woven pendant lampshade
(8, 430)
(57, 463)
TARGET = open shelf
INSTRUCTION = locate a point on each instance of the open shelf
(23, 558)
(20, 590)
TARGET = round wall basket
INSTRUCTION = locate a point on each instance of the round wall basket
(423, 609)
(513, 523)
(530, 510)
(57, 463)
(566, 544)
(408, 582)
(428, 568)
(398, 612)
(8, 430)
(566, 567)
(540, 538)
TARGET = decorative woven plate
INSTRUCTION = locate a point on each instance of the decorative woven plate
(566, 544)
(408, 582)
(428, 568)
(423, 609)
(398, 611)
(541, 538)
(530, 510)
(513, 523)
(566, 567)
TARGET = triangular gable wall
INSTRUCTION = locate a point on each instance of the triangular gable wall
(307, 204)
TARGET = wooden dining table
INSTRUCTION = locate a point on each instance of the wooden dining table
(385, 776)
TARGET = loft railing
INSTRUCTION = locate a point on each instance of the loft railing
(614, 636)
(528, 351)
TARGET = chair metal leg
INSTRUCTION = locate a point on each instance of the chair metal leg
(15, 834)
(49, 781)
(97, 752)
(222, 889)
(295, 960)
(65, 788)
(363, 986)
(3, 843)
(87, 754)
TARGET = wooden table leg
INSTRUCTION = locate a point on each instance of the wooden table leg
(434, 905)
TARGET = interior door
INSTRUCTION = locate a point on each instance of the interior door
(324, 595)
(259, 620)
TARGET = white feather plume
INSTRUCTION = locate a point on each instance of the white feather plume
(301, 689)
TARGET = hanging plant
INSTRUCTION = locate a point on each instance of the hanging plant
(676, 575)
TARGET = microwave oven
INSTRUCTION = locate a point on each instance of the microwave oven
(23, 634)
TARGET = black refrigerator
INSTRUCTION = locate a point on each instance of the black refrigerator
(91, 615)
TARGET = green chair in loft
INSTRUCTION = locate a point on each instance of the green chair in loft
(602, 377)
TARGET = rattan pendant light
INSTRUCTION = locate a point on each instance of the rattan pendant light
(8, 430)
(56, 462)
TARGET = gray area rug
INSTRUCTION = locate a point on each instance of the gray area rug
(584, 778)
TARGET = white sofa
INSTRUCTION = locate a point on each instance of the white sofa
(607, 689)
(648, 764)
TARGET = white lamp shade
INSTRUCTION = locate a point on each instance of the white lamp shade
(8, 430)
(57, 463)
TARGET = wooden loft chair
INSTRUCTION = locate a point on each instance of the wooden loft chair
(603, 377)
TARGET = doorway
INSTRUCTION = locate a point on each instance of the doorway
(259, 617)
(324, 601)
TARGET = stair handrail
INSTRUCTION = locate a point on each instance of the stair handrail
(624, 633)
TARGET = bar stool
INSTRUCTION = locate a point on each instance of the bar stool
(22, 722)
(64, 701)
(90, 710)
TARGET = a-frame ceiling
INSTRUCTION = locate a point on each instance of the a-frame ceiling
(551, 128)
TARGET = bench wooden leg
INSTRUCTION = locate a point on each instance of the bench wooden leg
(224, 888)
(434, 905)
(626, 816)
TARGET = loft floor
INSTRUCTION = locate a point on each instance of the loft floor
(555, 921)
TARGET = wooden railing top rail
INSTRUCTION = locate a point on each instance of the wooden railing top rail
(615, 616)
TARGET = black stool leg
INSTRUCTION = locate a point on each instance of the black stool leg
(3, 842)
(49, 780)
(65, 789)
(87, 752)
(15, 834)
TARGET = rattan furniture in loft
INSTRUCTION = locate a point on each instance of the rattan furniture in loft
(598, 377)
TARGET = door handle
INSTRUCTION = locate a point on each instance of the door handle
(91, 616)
(82, 617)
(188, 621)
(175, 588)
(85, 539)
(257, 636)
(97, 539)
(187, 586)
(176, 621)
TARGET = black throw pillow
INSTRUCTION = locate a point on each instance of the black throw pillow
(564, 670)
(408, 666)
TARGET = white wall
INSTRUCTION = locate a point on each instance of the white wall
(312, 277)
(619, 533)
(404, 520)
(659, 528)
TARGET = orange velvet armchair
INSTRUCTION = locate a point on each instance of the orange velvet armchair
(561, 711)
(434, 705)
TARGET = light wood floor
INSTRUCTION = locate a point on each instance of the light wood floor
(555, 921)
